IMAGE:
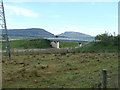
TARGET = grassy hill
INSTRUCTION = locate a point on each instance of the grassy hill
(29, 33)
(32, 33)
(36, 44)
(98, 47)
(28, 44)
(43, 43)
(77, 35)
(68, 44)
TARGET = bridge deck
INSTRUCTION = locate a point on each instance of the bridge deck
(68, 40)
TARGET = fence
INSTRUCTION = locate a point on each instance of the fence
(102, 85)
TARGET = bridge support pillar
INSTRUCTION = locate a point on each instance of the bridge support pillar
(79, 45)
(58, 44)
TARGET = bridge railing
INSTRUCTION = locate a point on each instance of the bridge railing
(69, 40)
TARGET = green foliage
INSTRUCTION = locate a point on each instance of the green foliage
(68, 44)
(98, 47)
(107, 43)
(117, 40)
(29, 44)
(107, 38)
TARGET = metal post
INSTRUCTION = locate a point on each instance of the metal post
(104, 78)
(4, 28)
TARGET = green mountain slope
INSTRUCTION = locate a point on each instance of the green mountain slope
(76, 35)
(29, 33)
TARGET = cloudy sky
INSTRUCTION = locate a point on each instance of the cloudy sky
(57, 17)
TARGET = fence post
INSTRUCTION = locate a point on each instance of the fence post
(104, 78)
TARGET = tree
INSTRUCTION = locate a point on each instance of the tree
(117, 40)
(105, 38)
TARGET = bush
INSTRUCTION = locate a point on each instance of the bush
(107, 39)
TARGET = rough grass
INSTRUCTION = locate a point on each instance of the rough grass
(68, 44)
(57, 70)
(98, 47)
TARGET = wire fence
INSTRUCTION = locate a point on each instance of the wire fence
(99, 83)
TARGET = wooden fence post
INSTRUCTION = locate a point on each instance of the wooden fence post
(104, 78)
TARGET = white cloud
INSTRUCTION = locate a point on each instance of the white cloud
(90, 30)
(116, 16)
(101, 30)
(77, 28)
(57, 16)
(21, 11)
(72, 28)
(61, 0)
(98, 29)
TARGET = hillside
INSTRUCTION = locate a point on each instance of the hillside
(97, 47)
(28, 33)
(28, 44)
(36, 44)
(76, 35)
(31, 33)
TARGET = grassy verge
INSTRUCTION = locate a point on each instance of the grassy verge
(97, 47)
(36, 43)
(68, 44)
(28, 44)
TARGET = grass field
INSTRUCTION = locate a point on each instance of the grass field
(56, 70)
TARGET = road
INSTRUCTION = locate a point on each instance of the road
(35, 50)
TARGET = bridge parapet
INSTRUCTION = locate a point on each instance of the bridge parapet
(68, 40)
(57, 40)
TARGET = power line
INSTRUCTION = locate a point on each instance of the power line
(4, 28)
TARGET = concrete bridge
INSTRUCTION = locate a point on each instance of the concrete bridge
(57, 40)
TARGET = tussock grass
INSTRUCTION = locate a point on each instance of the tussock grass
(54, 70)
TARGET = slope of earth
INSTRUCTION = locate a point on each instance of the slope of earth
(77, 35)
(28, 44)
(29, 33)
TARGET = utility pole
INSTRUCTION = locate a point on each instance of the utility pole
(4, 28)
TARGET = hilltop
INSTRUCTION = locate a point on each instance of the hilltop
(29, 33)
(76, 35)
(32, 33)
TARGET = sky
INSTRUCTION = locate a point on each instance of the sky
(91, 18)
